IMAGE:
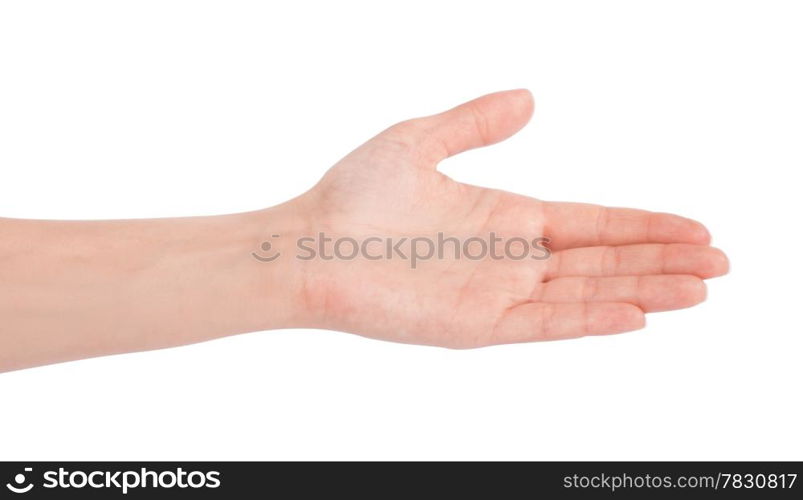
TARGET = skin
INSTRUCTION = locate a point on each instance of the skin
(77, 289)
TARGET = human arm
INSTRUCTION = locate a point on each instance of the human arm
(75, 289)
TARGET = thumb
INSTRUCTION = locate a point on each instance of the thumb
(480, 122)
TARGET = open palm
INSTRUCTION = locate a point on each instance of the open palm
(607, 268)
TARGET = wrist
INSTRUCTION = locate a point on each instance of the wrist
(275, 280)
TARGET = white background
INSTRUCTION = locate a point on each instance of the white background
(167, 108)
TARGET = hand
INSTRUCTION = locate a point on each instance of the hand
(608, 267)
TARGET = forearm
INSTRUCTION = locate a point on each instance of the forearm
(75, 289)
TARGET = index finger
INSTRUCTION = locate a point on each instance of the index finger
(572, 225)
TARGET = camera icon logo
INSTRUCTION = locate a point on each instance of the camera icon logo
(19, 485)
